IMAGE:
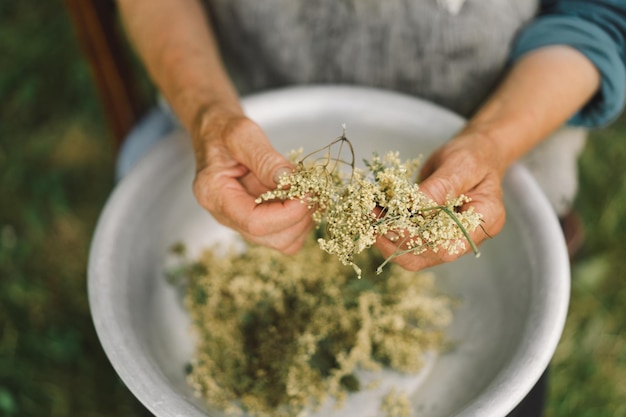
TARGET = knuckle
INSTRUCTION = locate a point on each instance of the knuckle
(199, 190)
(240, 127)
(202, 190)
(462, 156)
(440, 188)
(266, 161)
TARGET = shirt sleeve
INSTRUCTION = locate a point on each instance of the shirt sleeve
(597, 29)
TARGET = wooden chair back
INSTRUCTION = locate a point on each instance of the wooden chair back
(104, 45)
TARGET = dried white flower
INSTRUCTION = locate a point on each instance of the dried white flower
(356, 207)
(276, 337)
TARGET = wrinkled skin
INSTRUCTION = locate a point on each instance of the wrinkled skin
(458, 167)
(235, 165)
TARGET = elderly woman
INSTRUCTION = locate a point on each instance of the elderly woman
(530, 76)
(517, 70)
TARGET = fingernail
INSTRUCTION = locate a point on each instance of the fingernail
(281, 172)
(393, 236)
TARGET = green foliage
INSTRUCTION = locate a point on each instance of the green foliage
(42, 75)
(587, 374)
(56, 169)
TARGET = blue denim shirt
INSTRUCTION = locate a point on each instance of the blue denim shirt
(596, 28)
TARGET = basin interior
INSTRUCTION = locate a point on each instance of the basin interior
(512, 297)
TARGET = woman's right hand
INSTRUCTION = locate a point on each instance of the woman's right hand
(235, 163)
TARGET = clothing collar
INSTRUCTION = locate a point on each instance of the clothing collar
(451, 6)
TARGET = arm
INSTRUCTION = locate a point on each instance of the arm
(234, 160)
(597, 29)
(540, 93)
(569, 66)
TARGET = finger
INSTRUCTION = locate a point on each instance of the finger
(445, 182)
(487, 200)
(281, 225)
(259, 220)
(288, 241)
(407, 261)
(412, 262)
(250, 146)
(252, 184)
(471, 178)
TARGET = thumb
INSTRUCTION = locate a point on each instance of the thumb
(440, 186)
(267, 164)
(253, 149)
(445, 176)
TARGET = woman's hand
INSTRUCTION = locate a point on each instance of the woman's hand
(542, 90)
(235, 163)
(469, 164)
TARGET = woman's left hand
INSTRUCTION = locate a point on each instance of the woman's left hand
(469, 164)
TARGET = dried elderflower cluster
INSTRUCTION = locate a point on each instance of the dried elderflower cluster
(396, 405)
(356, 207)
(276, 337)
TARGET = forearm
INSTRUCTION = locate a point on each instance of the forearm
(540, 93)
(175, 42)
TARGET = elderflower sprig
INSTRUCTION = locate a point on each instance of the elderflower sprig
(356, 207)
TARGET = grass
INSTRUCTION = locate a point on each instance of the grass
(56, 171)
(589, 367)
(56, 167)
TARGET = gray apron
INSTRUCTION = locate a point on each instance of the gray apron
(419, 47)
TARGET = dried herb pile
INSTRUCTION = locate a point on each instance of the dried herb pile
(277, 334)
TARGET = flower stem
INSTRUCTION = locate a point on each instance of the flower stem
(463, 230)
